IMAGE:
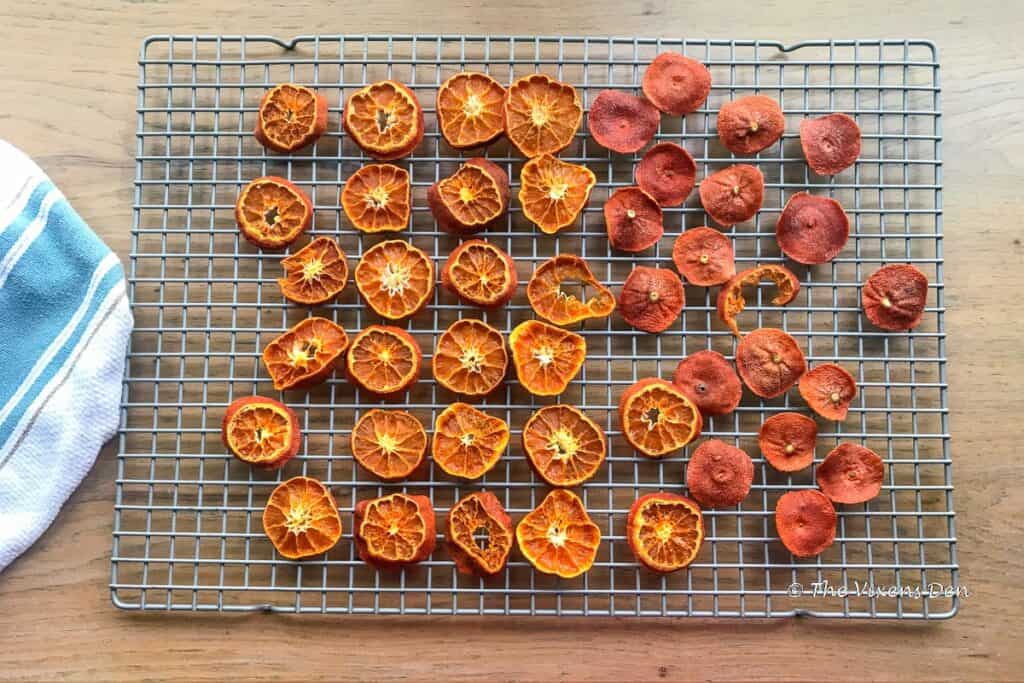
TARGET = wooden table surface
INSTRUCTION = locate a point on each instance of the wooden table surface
(69, 74)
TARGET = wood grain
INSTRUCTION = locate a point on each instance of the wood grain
(69, 74)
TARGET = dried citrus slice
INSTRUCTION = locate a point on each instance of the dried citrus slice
(633, 220)
(395, 278)
(667, 172)
(806, 522)
(261, 431)
(480, 273)
(622, 122)
(851, 474)
(558, 537)
(748, 125)
(272, 212)
(812, 229)
(552, 303)
(829, 389)
(563, 445)
(553, 192)
(468, 442)
(831, 143)
(314, 274)
(710, 382)
(651, 299)
(470, 358)
(665, 531)
(470, 109)
(384, 360)
(290, 117)
(657, 418)
(787, 441)
(378, 198)
(894, 297)
(389, 443)
(546, 357)
(676, 84)
(730, 298)
(704, 257)
(541, 114)
(734, 194)
(385, 119)
(472, 199)
(306, 354)
(394, 530)
(719, 475)
(479, 534)
(301, 518)
(769, 362)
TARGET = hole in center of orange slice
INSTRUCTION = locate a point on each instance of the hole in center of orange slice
(546, 357)
(271, 212)
(468, 442)
(479, 533)
(290, 117)
(549, 295)
(657, 418)
(554, 192)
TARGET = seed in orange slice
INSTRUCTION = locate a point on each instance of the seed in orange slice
(389, 443)
(829, 389)
(748, 125)
(806, 522)
(731, 302)
(704, 257)
(272, 212)
(314, 274)
(851, 474)
(894, 297)
(384, 360)
(474, 198)
(395, 278)
(394, 531)
(306, 354)
(719, 475)
(554, 192)
(480, 273)
(563, 445)
(479, 534)
(558, 537)
(470, 358)
(831, 143)
(733, 195)
(769, 362)
(385, 119)
(542, 115)
(812, 229)
(657, 418)
(710, 382)
(378, 198)
(633, 220)
(651, 299)
(667, 172)
(290, 116)
(665, 531)
(301, 518)
(470, 109)
(676, 84)
(787, 441)
(551, 302)
(622, 122)
(546, 357)
(261, 432)
(468, 442)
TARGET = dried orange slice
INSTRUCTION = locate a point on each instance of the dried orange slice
(272, 212)
(552, 303)
(470, 358)
(395, 530)
(829, 389)
(385, 119)
(384, 360)
(563, 445)
(479, 534)
(633, 220)
(470, 109)
(261, 431)
(306, 354)
(473, 198)
(553, 192)
(546, 357)
(314, 274)
(731, 302)
(541, 114)
(389, 443)
(468, 442)
(651, 299)
(558, 537)
(480, 273)
(665, 531)
(657, 418)
(378, 198)
(395, 278)
(667, 172)
(290, 117)
(301, 518)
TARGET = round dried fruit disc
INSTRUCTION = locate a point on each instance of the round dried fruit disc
(542, 115)
(385, 119)
(472, 199)
(829, 389)
(733, 195)
(395, 278)
(894, 297)
(787, 441)
(389, 443)
(806, 522)
(731, 302)
(633, 220)
(475, 516)
(657, 418)
(563, 445)
(622, 122)
(831, 143)
(812, 229)
(676, 84)
(546, 357)
(301, 518)
(306, 354)
(378, 198)
(470, 109)
(704, 257)
(750, 124)
(272, 212)
(651, 299)
(665, 531)
(470, 358)
(769, 361)
(468, 442)
(480, 273)
(314, 274)
(549, 301)
(851, 474)
(719, 475)
(261, 432)
(290, 116)
(384, 360)
(667, 172)
(558, 537)
(710, 382)
(394, 530)
(553, 192)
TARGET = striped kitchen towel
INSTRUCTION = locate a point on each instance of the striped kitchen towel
(64, 326)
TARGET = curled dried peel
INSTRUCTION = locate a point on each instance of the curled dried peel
(479, 515)
(558, 537)
(306, 354)
(301, 518)
(314, 274)
(542, 115)
(396, 279)
(470, 109)
(546, 357)
(563, 445)
(384, 360)
(395, 530)
(553, 192)
(552, 303)
(272, 212)
(389, 443)
(378, 198)
(665, 531)
(468, 442)
(657, 418)
(480, 273)
(290, 116)
(385, 119)
(261, 431)
(730, 298)
(470, 358)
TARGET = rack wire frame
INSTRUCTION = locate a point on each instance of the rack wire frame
(187, 532)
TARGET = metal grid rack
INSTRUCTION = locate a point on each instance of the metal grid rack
(187, 533)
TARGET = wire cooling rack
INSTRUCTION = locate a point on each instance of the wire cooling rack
(187, 531)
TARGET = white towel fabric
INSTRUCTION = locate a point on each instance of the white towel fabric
(64, 327)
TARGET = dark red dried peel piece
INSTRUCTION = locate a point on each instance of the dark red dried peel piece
(806, 522)
(622, 122)
(748, 125)
(769, 362)
(710, 381)
(676, 84)
(734, 194)
(829, 389)
(651, 299)
(812, 229)
(704, 257)
(633, 220)
(719, 475)
(894, 297)
(787, 441)
(668, 173)
(831, 143)
(851, 474)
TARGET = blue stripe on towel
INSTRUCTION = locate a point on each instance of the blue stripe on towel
(10, 233)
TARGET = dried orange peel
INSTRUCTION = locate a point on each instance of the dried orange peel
(542, 115)
(470, 358)
(546, 357)
(470, 109)
(290, 116)
(378, 198)
(475, 516)
(563, 445)
(472, 199)
(665, 531)
(306, 354)
(385, 119)
(558, 537)
(553, 192)
(731, 302)
(314, 274)
(384, 360)
(261, 432)
(657, 418)
(389, 443)
(395, 278)
(480, 273)
(272, 212)
(395, 530)
(468, 442)
(549, 301)
(301, 518)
